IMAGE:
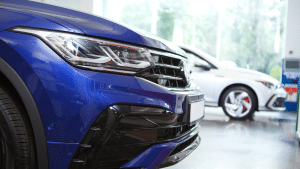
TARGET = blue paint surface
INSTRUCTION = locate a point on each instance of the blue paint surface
(70, 99)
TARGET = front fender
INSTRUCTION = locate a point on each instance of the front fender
(8, 60)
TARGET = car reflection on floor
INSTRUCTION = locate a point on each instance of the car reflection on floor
(267, 141)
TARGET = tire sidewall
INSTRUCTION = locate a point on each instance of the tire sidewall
(7, 141)
(250, 94)
(11, 110)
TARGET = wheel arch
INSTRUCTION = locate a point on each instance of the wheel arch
(11, 79)
(234, 85)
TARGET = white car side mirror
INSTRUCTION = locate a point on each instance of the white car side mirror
(202, 64)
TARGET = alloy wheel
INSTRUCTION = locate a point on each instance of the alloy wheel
(238, 103)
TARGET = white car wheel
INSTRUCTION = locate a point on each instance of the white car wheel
(238, 102)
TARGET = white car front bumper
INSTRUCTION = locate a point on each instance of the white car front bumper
(276, 101)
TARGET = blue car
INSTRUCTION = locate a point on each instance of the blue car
(81, 92)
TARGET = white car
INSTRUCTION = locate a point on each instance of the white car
(240, 92)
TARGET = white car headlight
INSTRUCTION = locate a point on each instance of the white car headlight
(93, 53)
(279, 85)
(267, 84)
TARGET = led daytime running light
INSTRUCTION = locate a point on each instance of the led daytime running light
(267, 84)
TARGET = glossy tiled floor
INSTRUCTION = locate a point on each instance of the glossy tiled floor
(267, 142)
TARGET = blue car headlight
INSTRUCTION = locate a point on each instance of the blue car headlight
(93, 53)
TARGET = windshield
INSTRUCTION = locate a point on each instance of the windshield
(201, 56)
(229, 64)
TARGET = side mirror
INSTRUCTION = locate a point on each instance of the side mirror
(202, 64)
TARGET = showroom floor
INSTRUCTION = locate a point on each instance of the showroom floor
(267, 142)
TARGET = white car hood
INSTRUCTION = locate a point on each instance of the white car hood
(247, 74)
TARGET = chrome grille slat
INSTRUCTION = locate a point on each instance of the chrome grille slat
(162, 61)
(168, 66)
(169, 84)
(174, 73)
(167, 71)
(172, 62)
(158, 76)
(170, 55)
(159, 71)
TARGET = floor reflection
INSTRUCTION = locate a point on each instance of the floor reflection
(267, 141)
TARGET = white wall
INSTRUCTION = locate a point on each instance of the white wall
(81, 5)
(63, 3)
(96, 7)
(86, 6)
(292, 40)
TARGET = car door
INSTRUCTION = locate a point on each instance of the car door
(203, 77)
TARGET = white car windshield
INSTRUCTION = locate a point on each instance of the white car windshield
(209, 59)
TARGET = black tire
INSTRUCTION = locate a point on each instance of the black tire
(16, 138)
(239, 109)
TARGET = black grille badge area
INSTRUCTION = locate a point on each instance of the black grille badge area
(122, 132)
(168, 72)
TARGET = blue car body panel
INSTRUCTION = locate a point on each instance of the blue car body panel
(60, 154)
(11, 18)
(54, 84)
(70, 99)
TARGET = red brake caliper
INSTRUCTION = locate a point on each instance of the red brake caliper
(247, 100)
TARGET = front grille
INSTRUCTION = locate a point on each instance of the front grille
(116, 137)
(167, 72)
(279, 102)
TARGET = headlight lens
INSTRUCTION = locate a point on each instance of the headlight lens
(279, 86)
(93, 53)
(267, 84)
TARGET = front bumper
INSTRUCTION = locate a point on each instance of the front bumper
(166, 154)
(276, 102)
(124, 138)
(181, 151)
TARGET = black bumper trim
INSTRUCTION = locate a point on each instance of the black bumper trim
(175, 158)
(111, 145)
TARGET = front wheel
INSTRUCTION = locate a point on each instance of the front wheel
(239, 102)
(17, 148)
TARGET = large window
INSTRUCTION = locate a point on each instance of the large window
(247, 32)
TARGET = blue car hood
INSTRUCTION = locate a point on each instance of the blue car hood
(78, 22)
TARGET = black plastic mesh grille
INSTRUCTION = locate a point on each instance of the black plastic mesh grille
(279, 102)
